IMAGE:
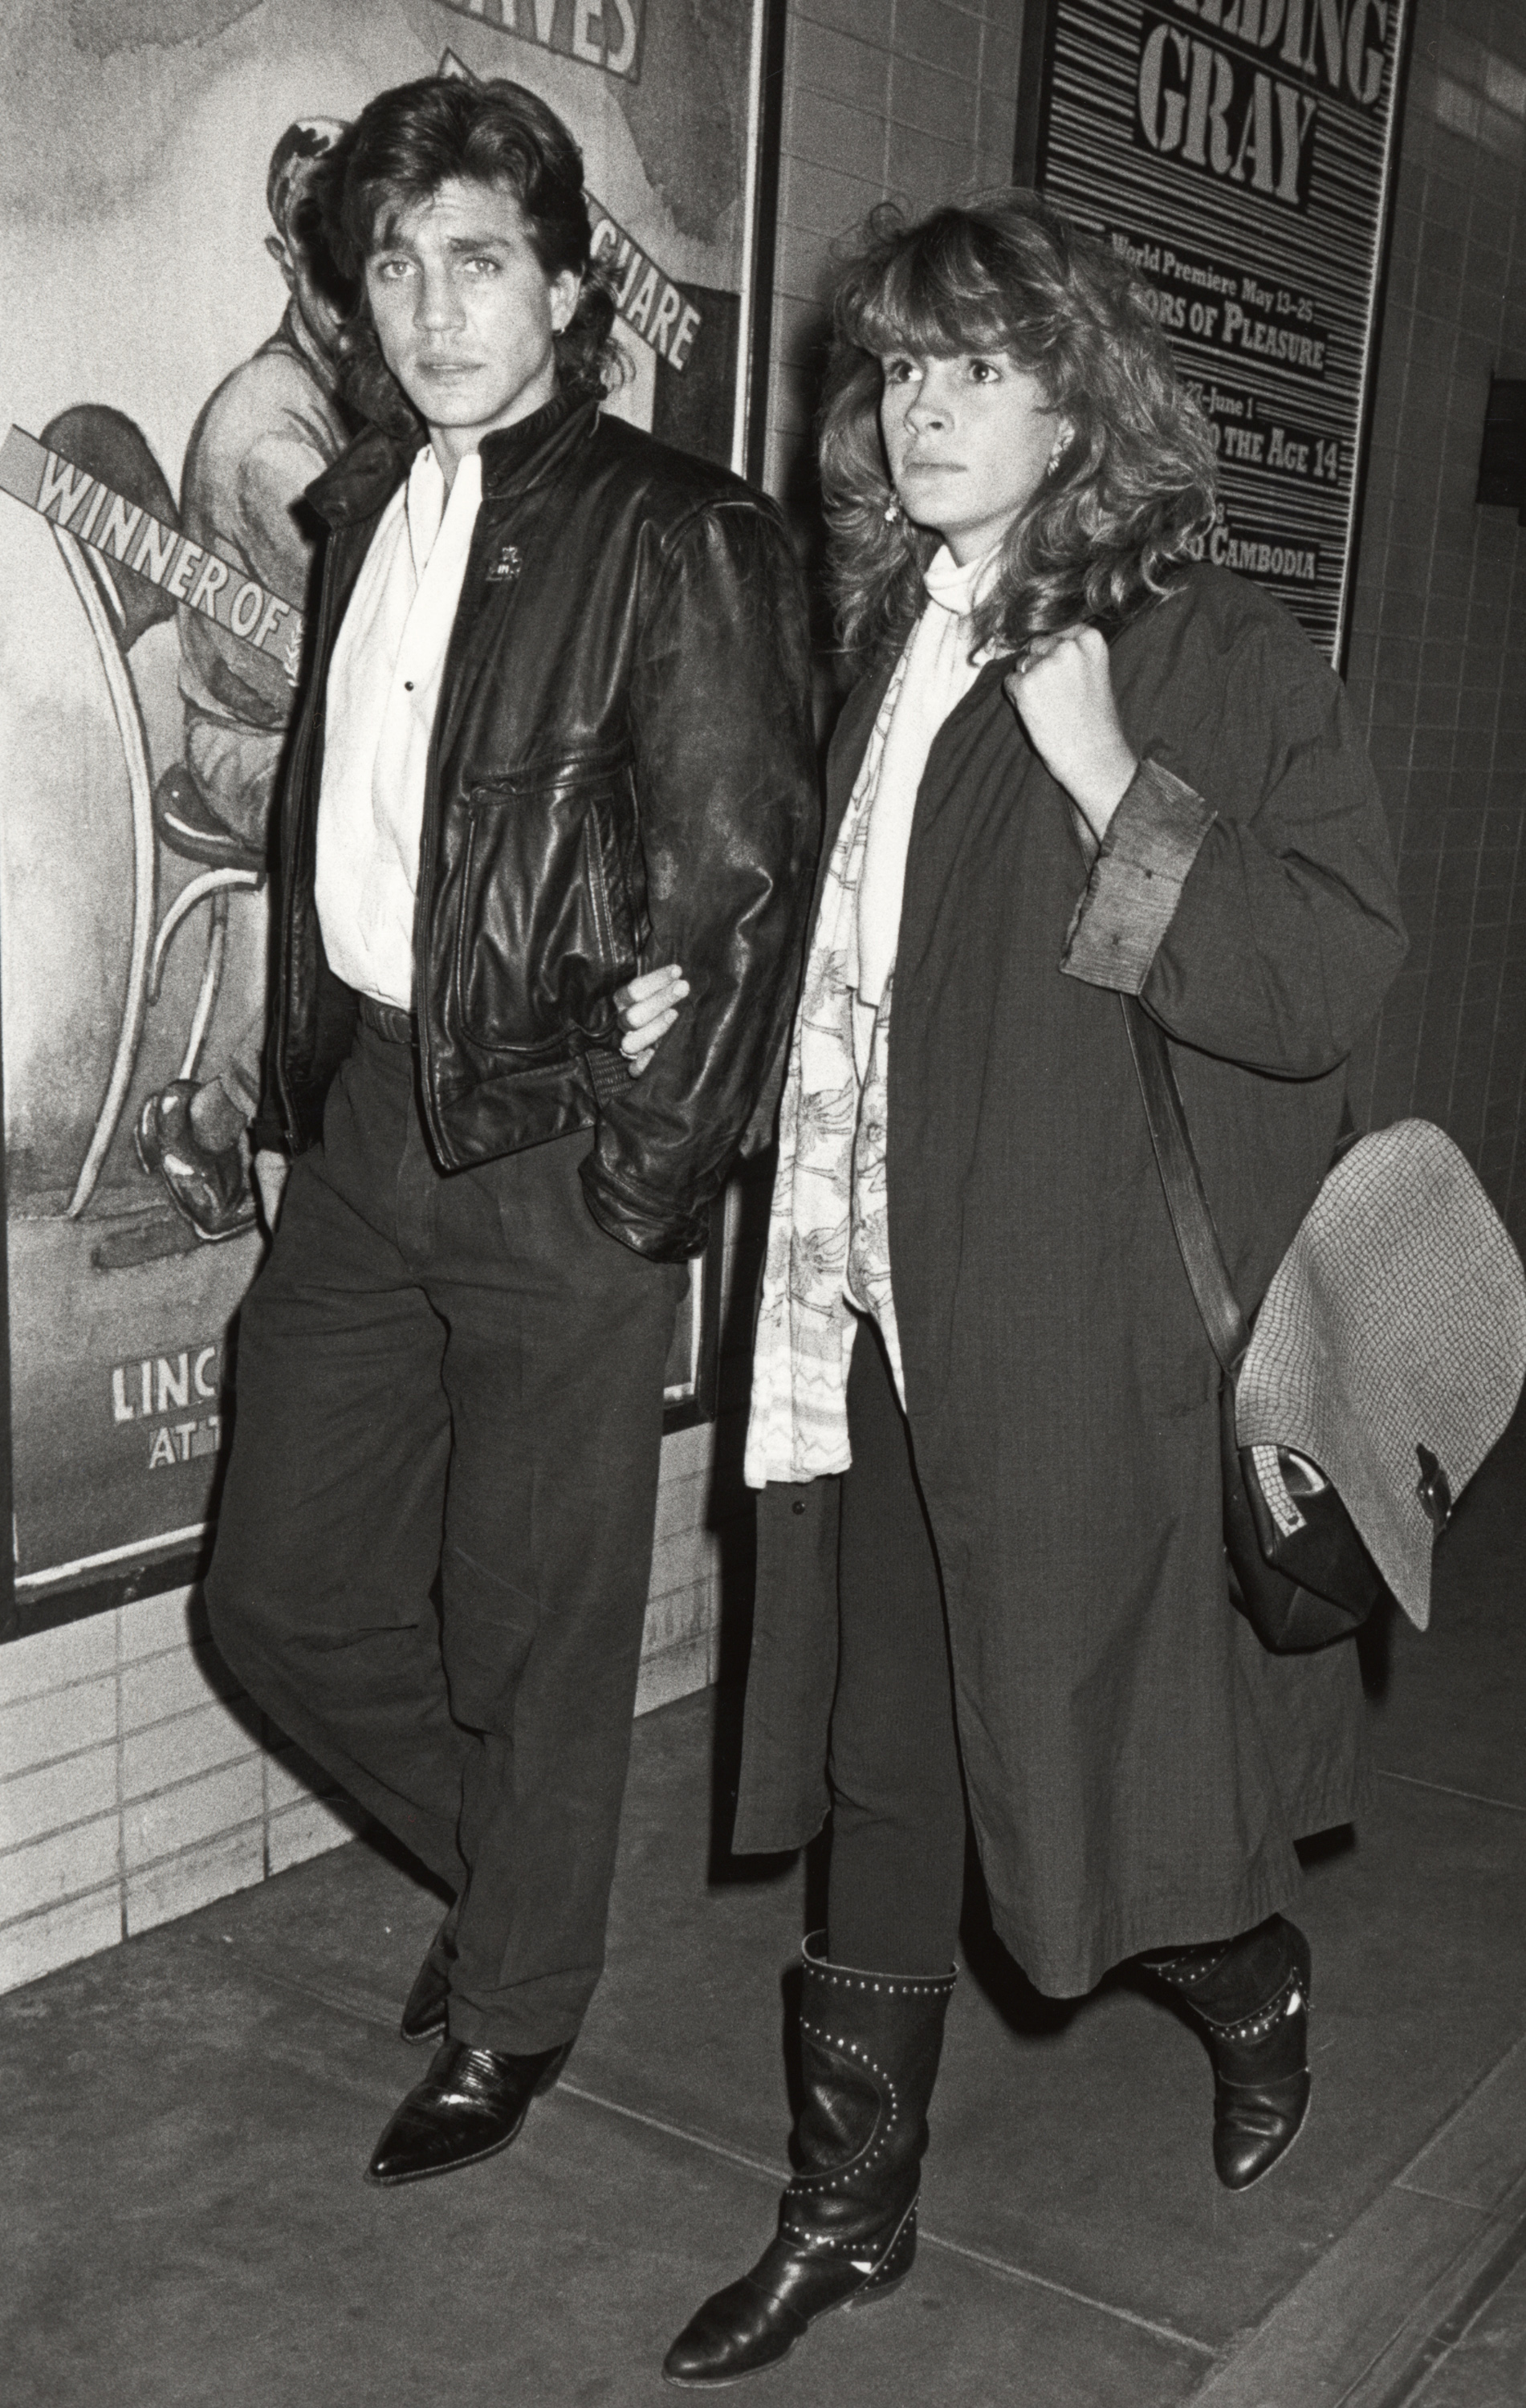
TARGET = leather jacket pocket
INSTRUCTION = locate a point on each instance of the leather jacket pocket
(550, 920)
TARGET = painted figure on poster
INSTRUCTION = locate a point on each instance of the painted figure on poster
(268, 430)
(557, 734)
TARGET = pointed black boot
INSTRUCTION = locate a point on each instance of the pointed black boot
(470, 2104)
(1250, 1998)
(869, 2046)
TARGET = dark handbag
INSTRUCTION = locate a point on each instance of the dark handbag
(1297, 1587)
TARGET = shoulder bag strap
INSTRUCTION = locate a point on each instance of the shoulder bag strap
(1191, 1217)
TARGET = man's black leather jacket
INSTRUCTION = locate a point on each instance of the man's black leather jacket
(623, 774)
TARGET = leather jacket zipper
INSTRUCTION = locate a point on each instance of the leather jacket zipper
(599, 891)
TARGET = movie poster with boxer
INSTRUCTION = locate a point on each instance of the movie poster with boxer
(169, 390)
(1239, 153)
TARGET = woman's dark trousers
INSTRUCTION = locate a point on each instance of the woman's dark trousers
(896, 1875)
(898, 1810)
(872, 2002)
(435, 1539)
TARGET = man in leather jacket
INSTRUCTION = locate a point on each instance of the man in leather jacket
(557, 734)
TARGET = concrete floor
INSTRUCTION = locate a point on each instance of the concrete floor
(188, 2115)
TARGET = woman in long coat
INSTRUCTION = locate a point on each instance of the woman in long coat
(1079, 766)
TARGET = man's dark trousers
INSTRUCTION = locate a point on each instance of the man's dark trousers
(458, 1375)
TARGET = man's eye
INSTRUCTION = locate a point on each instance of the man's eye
(481, 264)
(389, 269)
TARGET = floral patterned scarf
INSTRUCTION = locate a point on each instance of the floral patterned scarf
(829, 1252)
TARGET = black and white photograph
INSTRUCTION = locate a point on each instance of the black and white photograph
(762, 1319)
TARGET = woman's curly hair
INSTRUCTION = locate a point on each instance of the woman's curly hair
(1123, 505)
(401, 150)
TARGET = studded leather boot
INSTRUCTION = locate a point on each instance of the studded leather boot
(870, 2044)
(1250, 1998)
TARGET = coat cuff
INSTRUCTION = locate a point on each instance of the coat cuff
(1136, 882)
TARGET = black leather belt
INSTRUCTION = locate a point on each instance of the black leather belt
(390, 1021)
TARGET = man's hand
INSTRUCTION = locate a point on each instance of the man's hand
(270, 1169)
(1063, 692)
(648, 1007)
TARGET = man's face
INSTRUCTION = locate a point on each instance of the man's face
(466, 313)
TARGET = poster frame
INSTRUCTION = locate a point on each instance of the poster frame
(1035, 88)
(178, 1559)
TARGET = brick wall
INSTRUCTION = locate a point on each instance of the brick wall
(1437, 666)
(137, 1785)
(910, 99)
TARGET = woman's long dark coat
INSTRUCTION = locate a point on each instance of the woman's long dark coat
(1138, 1767)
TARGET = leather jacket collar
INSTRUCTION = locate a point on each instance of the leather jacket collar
(514, 459)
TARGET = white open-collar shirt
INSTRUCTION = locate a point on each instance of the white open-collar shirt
(384, 691)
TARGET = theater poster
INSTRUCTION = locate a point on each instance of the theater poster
(167, 391)
(1240, 154)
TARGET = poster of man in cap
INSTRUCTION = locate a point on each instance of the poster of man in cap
(172, 386)
(272, 427)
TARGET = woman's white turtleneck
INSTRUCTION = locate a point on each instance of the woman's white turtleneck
(939, 673)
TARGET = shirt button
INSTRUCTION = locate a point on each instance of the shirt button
(799, 1506)
(407, 685)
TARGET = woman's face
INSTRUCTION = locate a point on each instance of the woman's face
(968, 441)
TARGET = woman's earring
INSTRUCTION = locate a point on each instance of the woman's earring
(893, 509)
(1060, 446)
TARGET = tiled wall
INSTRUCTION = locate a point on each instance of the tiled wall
(1437, 668)
(136, 1785)
(912, 99)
